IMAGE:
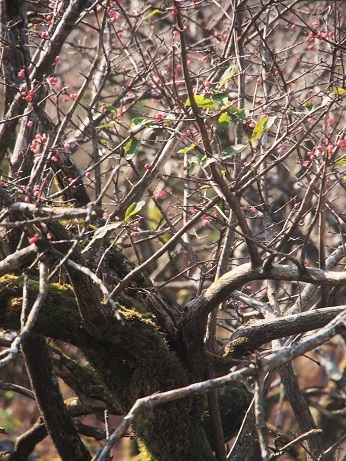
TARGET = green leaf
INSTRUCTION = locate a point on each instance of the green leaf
(201, 102)
(150, 15)
(223, 122)
(232, 150)
(308, 106)
(131, 148)
(262, 125)
(228, 74)
(337, 90)
(238, 114)
(341, 161)
(186, 149)
(110, 108)
(107, 125)
(138, 124)
(102, 231)
(133, 209)
(202, 160)
(221, 99)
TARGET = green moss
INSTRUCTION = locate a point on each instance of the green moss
(234, 400)
(238, 348)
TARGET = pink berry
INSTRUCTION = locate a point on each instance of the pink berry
(161, 194)
(330, 121)
(342, 143)
(74, 96)
(30, 123)
(311, 120)
(259, 80)
(27, 199)
(310, 48)
(88, 174)
(159, 116)
(207, 84)
(147, 166)
(54, 159)
(34, 239)
(205, 59)
(175, 10)
(330, 148)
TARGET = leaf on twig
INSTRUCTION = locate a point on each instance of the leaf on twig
(102, 231)
(228, 74)
(232, 150)
(133, 209)
(223, 122)
(262, 125)
(201, 101)
(187, 149)
(152, 13)
(131, 148)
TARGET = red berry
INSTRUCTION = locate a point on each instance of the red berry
(175, 10)
(88, 174)
(54, 159)
(147, 166)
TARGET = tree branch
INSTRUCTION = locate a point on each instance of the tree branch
(250, 337)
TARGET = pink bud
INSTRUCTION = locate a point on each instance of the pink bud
(34, 239)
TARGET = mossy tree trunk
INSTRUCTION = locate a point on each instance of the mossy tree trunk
(130, 359)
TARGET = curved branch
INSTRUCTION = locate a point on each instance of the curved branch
(250, 337)
(225, 285)
(265, 365)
